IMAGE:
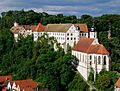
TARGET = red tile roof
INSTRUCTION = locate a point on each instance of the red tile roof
(85, 45)
(39, 28)
(5, 78)
(117, 84)
(27, 85)
(33, 27)
(83, 27)
(26, 27)
(98, 49)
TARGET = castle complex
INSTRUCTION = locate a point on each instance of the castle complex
(84, 43)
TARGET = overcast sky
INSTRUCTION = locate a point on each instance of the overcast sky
(67, 7)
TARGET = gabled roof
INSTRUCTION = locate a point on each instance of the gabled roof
(98, 49)
(117, 84)
(33, 27)
(85, 45)
(82, 27)
(16, 29)
(102, 50)
(26, 27)
(39, 28)
(26, 84)
(5, 78)
(57, 27)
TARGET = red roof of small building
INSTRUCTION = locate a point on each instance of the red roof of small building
(117, 84)
(5, 78)
(85, 45)
(33, 27)
(39, 28)
(27, 85)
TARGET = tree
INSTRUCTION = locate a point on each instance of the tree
(106, 80)
(78, 84)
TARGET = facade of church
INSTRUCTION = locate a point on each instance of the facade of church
(91, 55)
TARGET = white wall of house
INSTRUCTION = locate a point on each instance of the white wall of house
(15, 87)
(72, 36)
(28, 32)
(35, 35)
(59, 36)
(116, 89)
(9, 86)
(82, 64)
(16, 37)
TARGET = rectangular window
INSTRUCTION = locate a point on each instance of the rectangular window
(67, 38)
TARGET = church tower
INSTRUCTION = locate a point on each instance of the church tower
(93, 32)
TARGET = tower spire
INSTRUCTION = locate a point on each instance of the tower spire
(109, 31)
(93, 32)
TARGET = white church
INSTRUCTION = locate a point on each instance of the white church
(91, 55)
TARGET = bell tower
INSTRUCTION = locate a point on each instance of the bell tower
(93, 32)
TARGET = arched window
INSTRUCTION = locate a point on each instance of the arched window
(104, 60)
(82, 34)
(95, 60)
(80, 57)
(90, 57)
(99, 59)
(90, 63)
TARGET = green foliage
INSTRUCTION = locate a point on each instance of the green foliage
(91, 75)
(106, 80)
(27, 59)
(78, 84)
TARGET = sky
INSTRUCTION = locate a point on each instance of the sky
(66, 7)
